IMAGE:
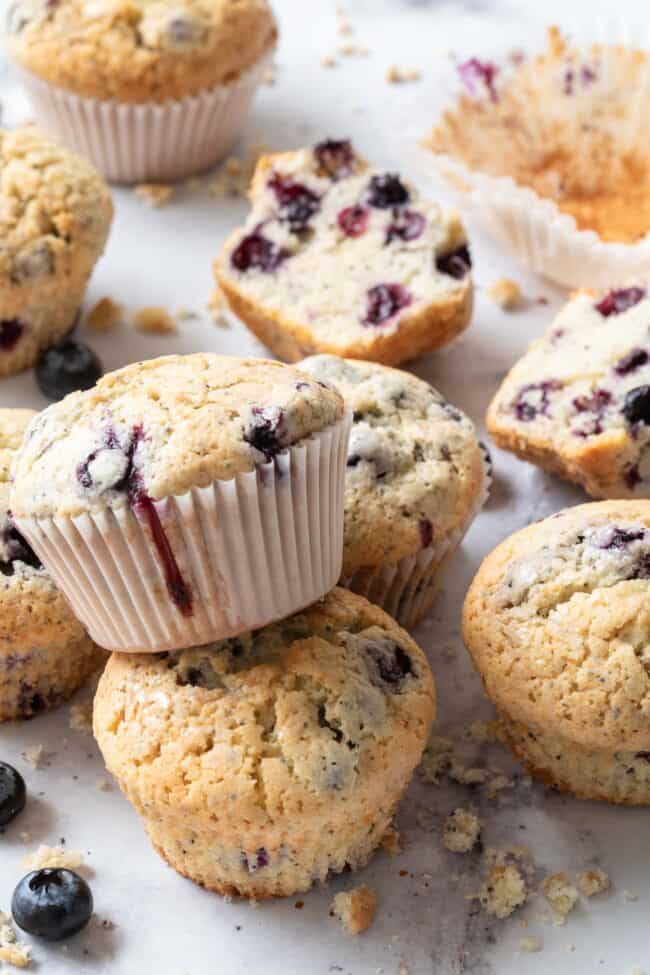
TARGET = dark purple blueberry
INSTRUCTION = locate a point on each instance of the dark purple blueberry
(457, 264)
(636, 407)
(128, 477)
(597, 404)
(32, 702)
(619, 538)
(568, 81)
(257, 861)
(335, 158)
(384, 302)
(632, 476)
(643, 756)
(407, 225)
(587, 75)
(386, 191)
(257, 252)
(642, 569)
(390, 663)
(426, 532)
(52, 904)
(619, 300)
(630, 362)
(10, 331)
(18, 550)
(13, 794)
(477, 75)
(67, 367)
(297, 203)
(353, 221)
(266, 432)
(533, 399)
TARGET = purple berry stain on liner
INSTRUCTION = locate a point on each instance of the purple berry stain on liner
(477, 75)
(618, 300)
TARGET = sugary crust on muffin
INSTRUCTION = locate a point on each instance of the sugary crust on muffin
(564, 124)
(558, 623)
(563, 405)
(415, 468)
(140, 50)
(316, 298)
(281, 742)
(176, 422)
(55, 214)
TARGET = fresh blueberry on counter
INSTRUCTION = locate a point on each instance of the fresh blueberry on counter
(67, 367)
(12, 793)
(52, 903)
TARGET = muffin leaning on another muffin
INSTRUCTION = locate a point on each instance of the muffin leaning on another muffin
(336, 257)
(45, 654)
(558, 623)
(55, 214)
(260, 765)
(187, 498)
(416, 476)
(150, 89)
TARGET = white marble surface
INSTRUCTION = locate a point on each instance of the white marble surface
(164, 923)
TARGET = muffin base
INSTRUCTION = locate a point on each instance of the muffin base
(38, 680)
(610, 776)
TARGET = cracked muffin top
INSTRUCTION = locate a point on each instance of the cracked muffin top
(55, 212)
(160, 427)
(140, 50)
(414, 468)
(558, 623)
(322, 706)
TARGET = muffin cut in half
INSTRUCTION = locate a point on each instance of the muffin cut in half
(261, 765)
(339, 258)
(557, 621)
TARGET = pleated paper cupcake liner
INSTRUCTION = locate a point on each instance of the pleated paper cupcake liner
(407, 588)
(147, 142)
(209, 564)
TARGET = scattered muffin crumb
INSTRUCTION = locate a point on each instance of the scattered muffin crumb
(184, 314)
(502, 891)
(12, 951)
(103, 785)
(592, 882)
(507, 294)
(468, 776)
(105, 315)
(81, 716)
(155, 320)
(391, 842)
(560, 894)
(461, 831)
(328, 61)
(37, 756)
(497, 784)
(269, 77)
(482, 732)
(25, 837)
(530, 944)
(355, 908)
(629, 896)
(402, 76)
(155, 194)
(436, 758)
(353, 50)
(638, 971)
(217, 309)
(53, 856)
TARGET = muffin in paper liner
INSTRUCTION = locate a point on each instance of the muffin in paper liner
(148, 141)
(208, 564)
(550, 151)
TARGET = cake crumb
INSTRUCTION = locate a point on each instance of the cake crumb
(402, 76)
(25, 837)
(497, 784)
(592, 882)
(502, 891)
(103, 785)
(391, 842)
(530, 944)
(269, 77)
(217, 308)
(507, 294)
(353, 50)
(12, 951)
(355, 908)
(53, 856)
(37, 756)
(560, 894)
(436, 758)
(155, 194)
(80, 716)
(460, 831)
(183, 314)
(105, 315)
(328, 61)
(629, 896)
(155, 320)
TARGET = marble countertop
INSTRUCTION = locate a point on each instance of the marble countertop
(425, 924)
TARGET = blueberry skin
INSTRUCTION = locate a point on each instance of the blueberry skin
(637, 405)
(67, 367)
(12, 793)
(52, 904)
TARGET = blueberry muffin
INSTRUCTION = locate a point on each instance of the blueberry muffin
(187, 498)
(262, 764)
(147, 89)
(339, 258)
(578, 402)
(55, 214)
(558, 623)
(45, 654)
(416, 476)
